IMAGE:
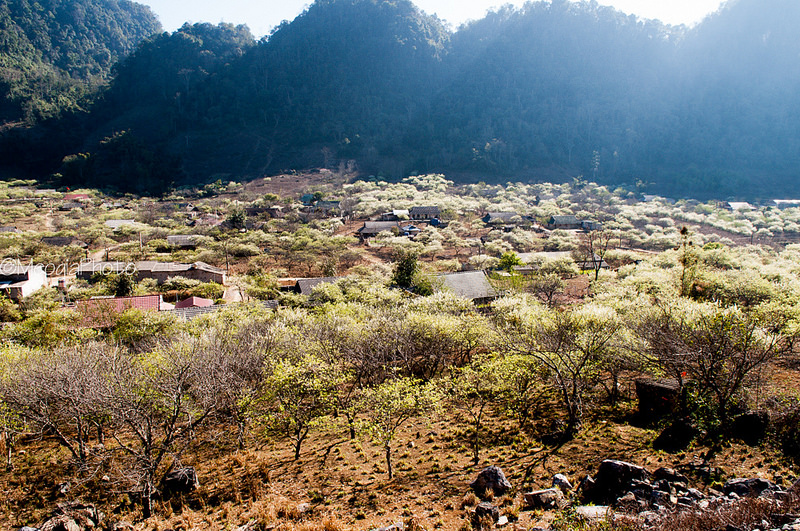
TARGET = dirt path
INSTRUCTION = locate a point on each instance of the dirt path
(49, 224)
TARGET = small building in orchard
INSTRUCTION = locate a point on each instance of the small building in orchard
(472, 285)
(18, 281)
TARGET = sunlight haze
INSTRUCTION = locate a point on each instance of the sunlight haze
(261, 17)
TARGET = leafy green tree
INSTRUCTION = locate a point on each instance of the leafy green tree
(236, 218)
(570, 345)
(300, 393)
(508, 261)
(406, 267)
(721, 350)
(476, 388)
(406, 273)
(390, 405)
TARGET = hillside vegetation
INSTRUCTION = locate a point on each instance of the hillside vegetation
(378, 396)
(551, 90)
(55, 53)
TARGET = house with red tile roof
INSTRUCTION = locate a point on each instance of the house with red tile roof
(194, 302)
(102, 312)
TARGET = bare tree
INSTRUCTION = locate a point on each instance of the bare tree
(593, 248)
(58, 393)
(154, 415)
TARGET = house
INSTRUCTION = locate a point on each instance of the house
(183, 241)
(100, 312)
(207, 220)
(194, 302)
(472, 285)
(590, 265)
(160, 271)
(395, 215)
(649, 198)
(589, 226)
(77, 197)
(72, 205)
(786, 203)
(153, 303)
(326, 207)
(563, 222)
(86, 270)
(116, 224)
(305, 286)
(64, 241)
(410, 230)
(18, 281)
(10, 229)
(424, 213)
(495, 218)
(373, 228)
(187, 314)
(735, 206)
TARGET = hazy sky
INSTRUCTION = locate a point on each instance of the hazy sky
(262, 15)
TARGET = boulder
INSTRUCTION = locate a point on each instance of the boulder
(630, 503)
(751, 427)
(484, 513)
(490, 479)
(544, 499)
(661, 498)
(614, 479)
(180, 481)
(657, 398)
(592, 512)
(669, 474)
(562, 482)
(677, 435)
(397, 526)
(73, 516)
(748, 486)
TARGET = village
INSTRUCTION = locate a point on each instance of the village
(519, 339)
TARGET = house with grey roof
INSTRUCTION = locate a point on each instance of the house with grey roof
(493, 218)
(305, 286)
(183, 241)
(160, 271)
(563, 222)
(373, 228)
(424, 213)
(472, 285)
(116, 224)
(64, 241)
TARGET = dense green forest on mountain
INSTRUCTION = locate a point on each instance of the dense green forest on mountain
(55, 53)
(551, 90)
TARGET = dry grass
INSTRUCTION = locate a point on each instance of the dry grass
(344, 484)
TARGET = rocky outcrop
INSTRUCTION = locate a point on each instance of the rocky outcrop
(180, 481)
(490, 480)
(73, 516)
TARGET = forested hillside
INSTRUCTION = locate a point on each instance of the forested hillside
(551, 90)
(53, 53)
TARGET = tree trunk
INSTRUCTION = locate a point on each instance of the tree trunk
(389, 461)
(476, 447)
(147, 500)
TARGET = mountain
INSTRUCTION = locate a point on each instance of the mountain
(551, 90)
(54, 53)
